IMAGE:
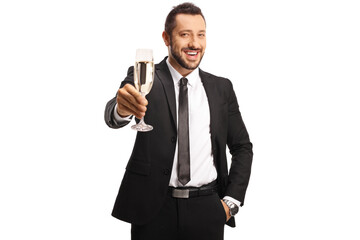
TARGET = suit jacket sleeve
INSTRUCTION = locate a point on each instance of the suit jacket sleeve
(241, 150)
(109, 109)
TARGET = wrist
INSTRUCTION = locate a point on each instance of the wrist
(121, 115)
(233, 208)
(118, 117)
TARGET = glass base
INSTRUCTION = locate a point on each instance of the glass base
(142, 127)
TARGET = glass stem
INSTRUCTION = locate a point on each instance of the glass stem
(142, 119)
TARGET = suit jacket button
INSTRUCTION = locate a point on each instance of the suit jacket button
(173, 139)
(166, 171)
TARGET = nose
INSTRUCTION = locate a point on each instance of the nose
(194, 43)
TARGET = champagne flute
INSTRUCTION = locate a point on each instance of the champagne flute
(143, 80)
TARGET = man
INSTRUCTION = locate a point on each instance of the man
(177, 184)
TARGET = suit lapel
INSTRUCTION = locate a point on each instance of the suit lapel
(210, 93)
(210, 89)
(163, 74)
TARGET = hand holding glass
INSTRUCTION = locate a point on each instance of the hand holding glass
(143, 80)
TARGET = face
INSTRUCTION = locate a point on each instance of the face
(187, 43)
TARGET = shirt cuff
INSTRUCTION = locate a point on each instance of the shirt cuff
(236, 202)
(120, 119)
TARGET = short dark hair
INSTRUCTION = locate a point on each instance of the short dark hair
(185, 8)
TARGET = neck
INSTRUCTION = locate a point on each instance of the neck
(183, 71)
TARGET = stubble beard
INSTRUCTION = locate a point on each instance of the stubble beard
(181, 61)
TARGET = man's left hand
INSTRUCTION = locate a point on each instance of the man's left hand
(227, 210)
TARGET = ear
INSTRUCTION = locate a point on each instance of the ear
(166, 38)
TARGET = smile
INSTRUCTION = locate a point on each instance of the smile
(191, 53)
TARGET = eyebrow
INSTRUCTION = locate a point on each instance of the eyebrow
(188, 30)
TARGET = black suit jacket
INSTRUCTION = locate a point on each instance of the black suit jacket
(146, 179)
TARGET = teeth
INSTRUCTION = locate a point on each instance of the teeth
(192, 53)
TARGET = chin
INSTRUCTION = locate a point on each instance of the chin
(192, 66)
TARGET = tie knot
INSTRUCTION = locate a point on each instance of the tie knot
(183, 82)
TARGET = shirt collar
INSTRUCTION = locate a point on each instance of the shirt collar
(193, 78)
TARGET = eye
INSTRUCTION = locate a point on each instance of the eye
(185, 34)
(202, 35)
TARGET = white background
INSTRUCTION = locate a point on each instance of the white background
(295, 66)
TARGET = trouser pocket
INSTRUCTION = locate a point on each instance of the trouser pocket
(220, 207)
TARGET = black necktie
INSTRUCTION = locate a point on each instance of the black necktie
(183, 134)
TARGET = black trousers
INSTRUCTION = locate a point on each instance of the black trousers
(194, 218)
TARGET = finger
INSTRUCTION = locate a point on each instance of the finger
(130, 111)
(127, 106)
(136, 94)
(132, 95)
(127, 99)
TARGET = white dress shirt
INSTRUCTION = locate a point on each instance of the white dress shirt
(202, 168)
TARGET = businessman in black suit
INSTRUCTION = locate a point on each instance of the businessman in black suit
(177, 184)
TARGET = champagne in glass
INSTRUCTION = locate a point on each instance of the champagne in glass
(143, 80)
